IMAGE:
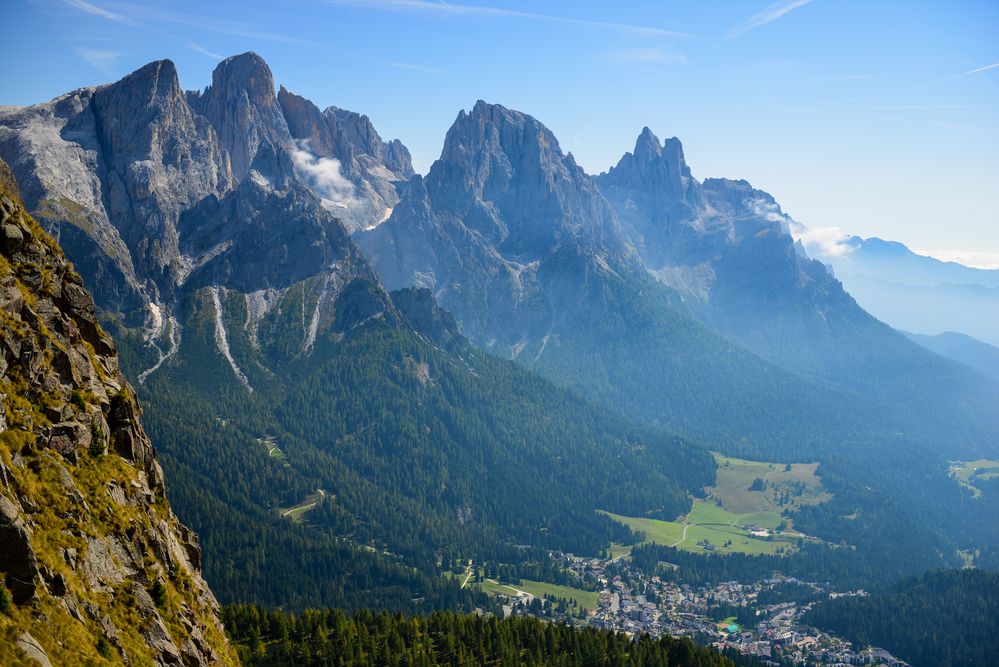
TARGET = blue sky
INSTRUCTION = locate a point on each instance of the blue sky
(873, 117)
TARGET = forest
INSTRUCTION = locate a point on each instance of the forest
(943, 617)
(368, 639)
(425, 457)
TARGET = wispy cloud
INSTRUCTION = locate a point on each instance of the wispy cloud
(102, 60)
(651, 56)
(143, 15)
(823, 242)
(768, 15)
(932, 107)
(453, 9)
(197, 48)
(94, 10)
(970, 72)
(224, 27)
(976, 70)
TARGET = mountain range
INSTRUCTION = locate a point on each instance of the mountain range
(633, 286)
(915, 292)
(471, 362)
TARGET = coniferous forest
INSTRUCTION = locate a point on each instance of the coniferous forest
(944, 617)
(367, 639)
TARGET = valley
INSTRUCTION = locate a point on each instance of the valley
(400, 406)
(764, 619)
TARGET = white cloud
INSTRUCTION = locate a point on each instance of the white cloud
(197, 48)
(976, 70)
(978, 259)
(102, 60)
(325, 177)
(819, 242)
(771, 211)
(651, 56)
(768, 15)
(99, 11)
(823, 241)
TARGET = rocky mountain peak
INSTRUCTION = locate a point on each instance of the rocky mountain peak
(648, 146)
(506, 229)
(657, 201)
(243, 108)
(157, 80)
(355, 131)
(505, 174)
(502, 135)
(659, 168)
(306, 123)
(246, 72)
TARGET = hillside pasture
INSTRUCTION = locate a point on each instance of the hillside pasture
(784, 486)
(707, 523)
(968, 472)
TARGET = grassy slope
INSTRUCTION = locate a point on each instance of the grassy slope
(739, 506)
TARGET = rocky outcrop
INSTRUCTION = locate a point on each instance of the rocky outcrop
(127, 175)
(507, 231)
(242, 107)
(346, 142)
(656, 199)
(89, 548)
(420, 309)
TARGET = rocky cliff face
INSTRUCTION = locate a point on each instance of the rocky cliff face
(92, 560)
(124, 175)
(242, 107)
(343, 143)
(728, 245)
(108, 171)
(507, 231)
(656, 199)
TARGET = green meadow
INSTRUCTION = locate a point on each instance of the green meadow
(748, 496)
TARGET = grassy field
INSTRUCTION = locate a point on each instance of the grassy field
(785, 486)
(297, 512)
(746, 495)
(273, 450)
(714, 524)
(581, 598)
(577, 596)
(966, 472)
(617, 550)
